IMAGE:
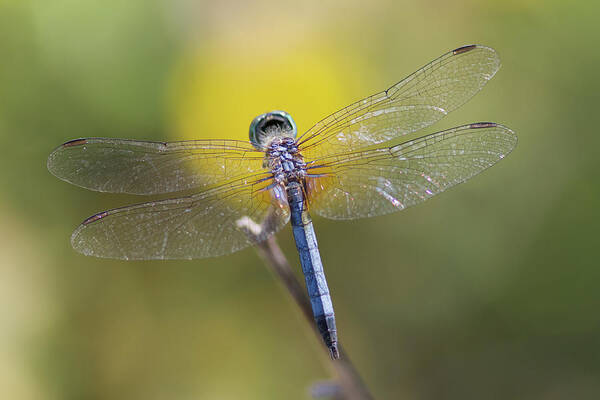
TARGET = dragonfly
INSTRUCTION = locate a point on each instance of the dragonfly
(357, 162)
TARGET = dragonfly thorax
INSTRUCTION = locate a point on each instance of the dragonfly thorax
(284, 160)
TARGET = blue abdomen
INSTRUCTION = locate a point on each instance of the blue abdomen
(312, 267)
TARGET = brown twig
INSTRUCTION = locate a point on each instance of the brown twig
(349, 385)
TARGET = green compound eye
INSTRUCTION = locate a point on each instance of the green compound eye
(271, 124)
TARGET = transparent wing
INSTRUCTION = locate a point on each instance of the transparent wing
(142, 167)
(416, 102)
(387, 179)
(207, 224)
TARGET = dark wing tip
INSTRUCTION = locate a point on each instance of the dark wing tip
(95, 218)
(464, 49)
(479, 125)
(509, 134)
(53, 161)
(74, 142)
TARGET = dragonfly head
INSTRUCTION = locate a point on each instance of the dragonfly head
(269, 125)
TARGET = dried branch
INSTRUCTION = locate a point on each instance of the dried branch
(349, 385)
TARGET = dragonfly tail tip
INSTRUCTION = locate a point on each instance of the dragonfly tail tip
(334, 352)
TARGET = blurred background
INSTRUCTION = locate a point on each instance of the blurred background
(487, 291)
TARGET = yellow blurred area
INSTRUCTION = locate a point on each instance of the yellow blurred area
(27, 308)
(217, 90)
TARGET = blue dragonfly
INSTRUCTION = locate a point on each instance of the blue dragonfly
(355, 163)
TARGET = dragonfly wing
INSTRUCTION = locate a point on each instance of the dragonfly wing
(414, 103)
(207, 224)
(143, 167)
(388, 179)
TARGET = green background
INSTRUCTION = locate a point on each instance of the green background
(488, 291)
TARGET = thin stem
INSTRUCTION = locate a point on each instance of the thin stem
(350, 386)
